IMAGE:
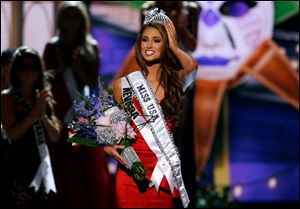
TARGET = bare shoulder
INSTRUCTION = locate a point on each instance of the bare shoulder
(7, 100)
(6, 93)
(51, 45)
(94, 42)
(53, 41)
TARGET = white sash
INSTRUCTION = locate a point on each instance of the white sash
(44, 173)
(72, 87)
(71, 84)
(155, 132)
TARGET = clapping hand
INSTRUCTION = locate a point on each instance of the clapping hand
(39, 108)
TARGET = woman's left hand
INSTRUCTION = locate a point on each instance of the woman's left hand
(170, 28)
(113, 152)
(39, 108)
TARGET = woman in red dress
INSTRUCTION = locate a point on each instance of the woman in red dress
(155, 90)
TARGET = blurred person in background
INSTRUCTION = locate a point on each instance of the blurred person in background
(30, 123)
(81, 172)
(6, 57)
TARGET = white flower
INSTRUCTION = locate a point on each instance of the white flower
(120, 129)
(105, 135)
(111, 110)
(103, 121)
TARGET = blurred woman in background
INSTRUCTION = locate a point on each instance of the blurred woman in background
(30, 123)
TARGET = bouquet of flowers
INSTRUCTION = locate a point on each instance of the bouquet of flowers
(100, 121)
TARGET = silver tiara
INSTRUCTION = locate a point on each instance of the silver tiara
(155, 15)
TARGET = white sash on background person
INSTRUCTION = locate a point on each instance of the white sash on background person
(155, 132)
(44, 173)
(71, 84)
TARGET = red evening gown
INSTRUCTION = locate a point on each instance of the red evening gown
(127, 192)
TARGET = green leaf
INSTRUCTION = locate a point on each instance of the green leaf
(110, 91)
(83, 141)
(138, 170)
(125, 142)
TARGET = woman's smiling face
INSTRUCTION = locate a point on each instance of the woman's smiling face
(151, 44)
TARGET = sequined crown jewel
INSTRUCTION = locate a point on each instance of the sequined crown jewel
(155, 15)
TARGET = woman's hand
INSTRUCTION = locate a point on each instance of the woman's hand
(39, 109)
(113, 152)
(170, 28)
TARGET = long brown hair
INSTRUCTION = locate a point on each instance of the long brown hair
(41, 81)
(18, 56)
(169, 77)
(43, 75)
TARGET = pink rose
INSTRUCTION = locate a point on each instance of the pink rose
(119, 128)
(103, 121)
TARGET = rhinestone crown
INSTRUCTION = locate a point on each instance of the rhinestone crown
(155, 15)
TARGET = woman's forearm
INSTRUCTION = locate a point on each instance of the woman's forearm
(53, 127)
